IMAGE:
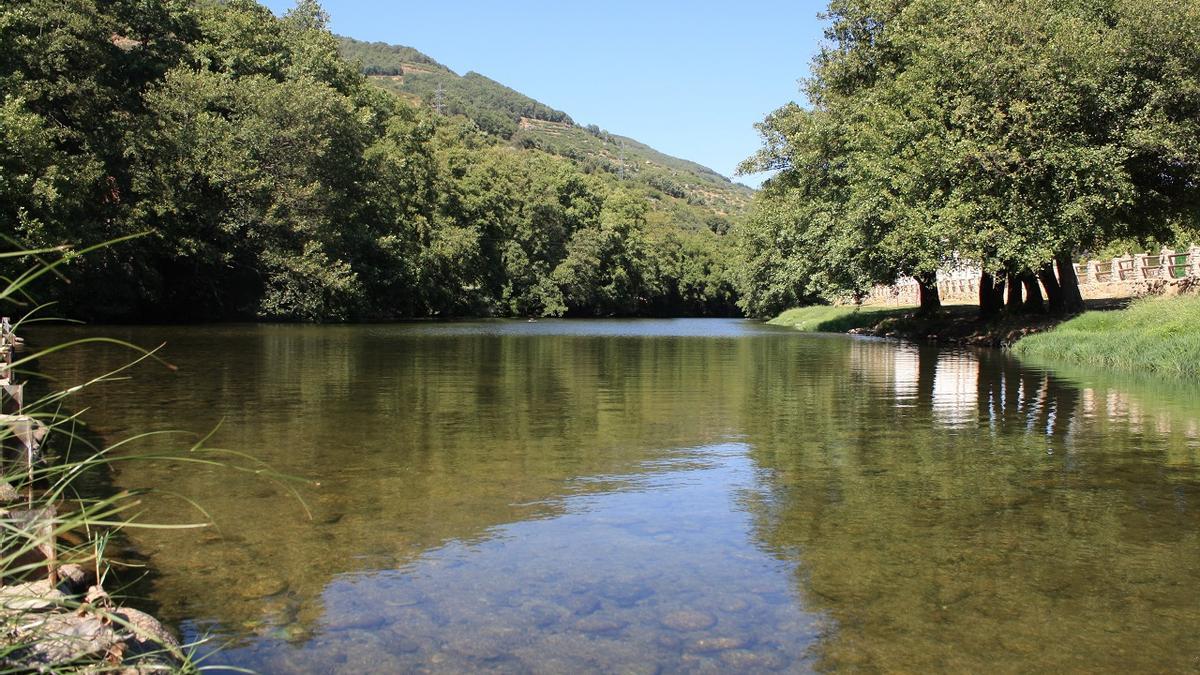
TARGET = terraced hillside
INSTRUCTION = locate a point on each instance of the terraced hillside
(529, 123)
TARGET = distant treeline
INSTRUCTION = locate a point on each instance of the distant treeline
(275, 183)
(1011, 135)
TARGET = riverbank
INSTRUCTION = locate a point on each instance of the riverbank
(54, 609)
(953, 324)
(1151, 334)
(1154, 335)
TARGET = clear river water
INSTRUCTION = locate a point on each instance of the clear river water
(653, 496)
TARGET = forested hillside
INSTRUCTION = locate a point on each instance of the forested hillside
(528, 123)
(273, 181)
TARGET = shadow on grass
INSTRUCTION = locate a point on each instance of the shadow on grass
(838, 318)
(959, 324)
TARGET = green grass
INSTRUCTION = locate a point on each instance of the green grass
(836, 318)
(1156, 335)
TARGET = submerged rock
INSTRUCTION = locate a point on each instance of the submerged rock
(626, 594)
(716, 644)
(745, 659)
(734, 604)
(582, 605)
(689, 620)
(263, 587)
(598, 624)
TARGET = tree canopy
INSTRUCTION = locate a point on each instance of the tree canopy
(1010, 136)
(275, 183)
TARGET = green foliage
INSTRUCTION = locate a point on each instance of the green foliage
(1151, 335)
(496, 108)
(505, 113)
(310, 287)
(279, 184)
(379, 58)
(1005, 134)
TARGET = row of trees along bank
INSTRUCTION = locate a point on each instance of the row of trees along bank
(1011, 134)
(277, 183)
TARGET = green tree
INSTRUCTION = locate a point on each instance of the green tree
(1009, 134)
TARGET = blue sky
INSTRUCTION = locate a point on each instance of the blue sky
(688, 78)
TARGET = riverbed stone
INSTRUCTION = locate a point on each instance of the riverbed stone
(626, 594)
(60, 639)
(716, 644)
(146, 634)
(668, 641)
(8, 493)
(403, 645)
(581, 605)
(403, 598)
(329, 518)
(598, 624)
(478, 647)
(733, 604)
(637, 667)
(746, 659)
(33, 596)
(689, 620)
(75, 579)
(542, 614)
(354, 621)
(262, 587)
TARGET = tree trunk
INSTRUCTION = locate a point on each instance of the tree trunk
(990, 303)
(1053, 290)
(1072, 298)
(931, 299)
(1014, 293)
(1033, 293)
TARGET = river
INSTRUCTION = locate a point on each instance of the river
(653, 496)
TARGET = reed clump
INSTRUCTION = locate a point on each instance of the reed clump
(56, 527)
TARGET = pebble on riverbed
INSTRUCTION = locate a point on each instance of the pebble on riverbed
(716, 644)
(689, 620)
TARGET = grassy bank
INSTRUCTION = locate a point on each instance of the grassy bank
(1153, 335)
(956, 324)
(1160, 335)
(837, 318)
(953, 324)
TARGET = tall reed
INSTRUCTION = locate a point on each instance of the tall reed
(56, 532)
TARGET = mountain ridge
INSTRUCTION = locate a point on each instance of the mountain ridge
(527, 122)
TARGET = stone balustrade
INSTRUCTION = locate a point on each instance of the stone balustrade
(1131, 274)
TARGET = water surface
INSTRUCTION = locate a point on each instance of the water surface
(659, 496)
